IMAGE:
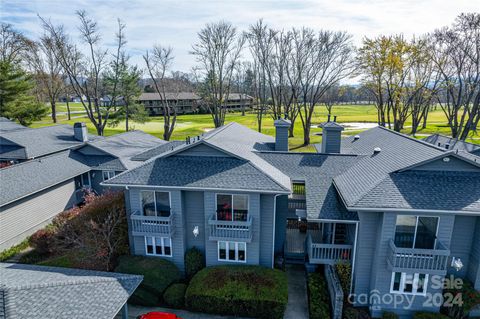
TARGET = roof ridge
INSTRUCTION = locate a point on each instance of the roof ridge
(115, 135)
(37, 159)
(218, 130)
(304, 153)
(411, 138)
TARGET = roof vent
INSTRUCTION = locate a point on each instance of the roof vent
(447, 146)
(446, 159)
(377, 150)
(356, 137)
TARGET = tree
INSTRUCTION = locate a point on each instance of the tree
(158, 64)
(218, 51)
(47, 72)
(84, 71)
(456, 54)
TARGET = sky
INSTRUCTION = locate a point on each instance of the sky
(176, 23)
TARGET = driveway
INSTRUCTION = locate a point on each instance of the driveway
(297, 307)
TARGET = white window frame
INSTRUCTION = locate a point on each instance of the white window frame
(231, 195)
(416, 228)
(110, 174)
(414, 285)
(227, 247)
(162, 239)
(155, 200)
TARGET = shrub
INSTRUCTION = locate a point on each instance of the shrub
(14, 250)
(42, 240)
(459, 302)
(344, 272)
(351, 313)
(250, 291)
(429, 315)
(174, 296)
(194, 262)
(319, 299)
(389, 315)
(157, 273)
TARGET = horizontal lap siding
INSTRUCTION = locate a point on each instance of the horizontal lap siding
(281, 222)
(194, 216)
(461, 246)
(23, 217)
(266, 230)
(202, 150)
(474, 266)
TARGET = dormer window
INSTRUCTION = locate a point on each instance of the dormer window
(155, 203)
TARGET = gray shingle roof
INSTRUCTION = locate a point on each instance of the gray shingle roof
(100, 162)
(41, 141)
(454, 144)
(397, 151)
(6, 125)
(20, 180)
(156, 151)
(431, 190)
(31, 291)
(169, 96)
(317, 170)
(127, 145)
(199, 172)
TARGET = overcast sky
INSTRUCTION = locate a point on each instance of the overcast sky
(176, 23)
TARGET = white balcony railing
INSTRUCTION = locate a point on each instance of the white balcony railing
(152, 225)
(320, 253)
(230, 230)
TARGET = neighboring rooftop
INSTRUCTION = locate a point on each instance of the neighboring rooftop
(7, 125)
(31, 291)
(21, 180)
(169, 96)
(452, 143)
(158, 150)
(35, 142)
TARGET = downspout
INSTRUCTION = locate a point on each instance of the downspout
(274, 229)
(353, 257)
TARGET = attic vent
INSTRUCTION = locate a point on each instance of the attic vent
(446, 159)
(377, 150)
(356, 137)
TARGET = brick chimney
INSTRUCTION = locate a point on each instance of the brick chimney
(281, 134)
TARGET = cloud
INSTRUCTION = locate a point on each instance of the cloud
(176, 23)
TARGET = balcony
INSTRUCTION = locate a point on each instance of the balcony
(152, 225)
(431, 261)
(230, 230)
(330, 254)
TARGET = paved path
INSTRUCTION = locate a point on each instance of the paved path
(297, 307)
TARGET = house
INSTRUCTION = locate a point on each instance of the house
(46, 169)
(189, 102)
(31, 291)
(404, 213)
(452, 144)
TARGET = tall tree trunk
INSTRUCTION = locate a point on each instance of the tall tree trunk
(126, 117)
(68, 109)
(54, 110)
(306, 134)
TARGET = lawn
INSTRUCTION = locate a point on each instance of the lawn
(195, 124)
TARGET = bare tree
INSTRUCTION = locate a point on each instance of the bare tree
(158, 63)
(218, 51)
(456, 54)
(47, 71)
(84, 71)
(13, 44)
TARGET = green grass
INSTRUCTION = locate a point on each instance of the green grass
(195, 124)
(14, 250)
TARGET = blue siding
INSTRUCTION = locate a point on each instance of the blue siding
(266, 229)
(202, 150)
(462, 239)
(281, 222)
(194, 216)
(281, 139)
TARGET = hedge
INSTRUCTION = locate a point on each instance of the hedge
(319, 298)
(389, 315)
(174, 296)
(157, 273)
(429, 315)
(250, 291)
(194, 262)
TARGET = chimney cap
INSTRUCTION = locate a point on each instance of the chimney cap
(282, 123)
(331, 126)
(79, 124)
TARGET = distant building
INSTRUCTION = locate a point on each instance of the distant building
(189, 102)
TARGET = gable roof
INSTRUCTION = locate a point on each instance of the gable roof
(397, 151)
(127, 145)
(36, 142)
(317, 170)
(7, 125)
(233, 139)
(31, 291)
(21, 180)
(453, 143)
(156, 151)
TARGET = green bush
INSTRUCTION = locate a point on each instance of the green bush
(344, 272)
(351, 313)
(194, 262)
(429, 315)
(14, 250)
(319, 299)
(157, 273)
(174, 296)
(389, 315)
(250, 291)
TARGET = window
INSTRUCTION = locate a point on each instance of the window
(108, 174)
(418, 232)
(232, 207)
(155, 203)
(158, 246)
(414, 284)
(232, 251)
